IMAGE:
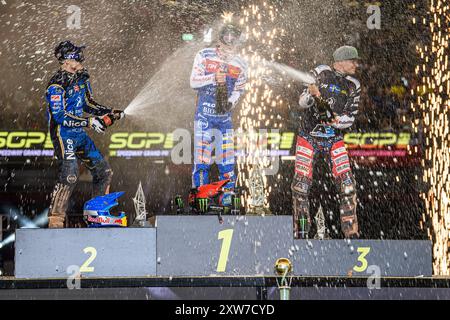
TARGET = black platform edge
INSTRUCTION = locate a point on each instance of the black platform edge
(8, 283)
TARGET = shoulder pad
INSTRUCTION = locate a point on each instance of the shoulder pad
(321, 68)
(207, 51)
(60, 78)
(355, 82)
(55, 89)
(82, 75)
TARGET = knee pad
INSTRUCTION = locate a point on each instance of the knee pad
(102, 171)
(68, 173)
(347, 190)
(300, 186)
(347, 184)
(102, 176)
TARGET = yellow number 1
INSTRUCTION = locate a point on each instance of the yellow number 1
(226, 235)
(362, 258)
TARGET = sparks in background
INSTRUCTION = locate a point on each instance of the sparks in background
(433, 105)
(255, 113)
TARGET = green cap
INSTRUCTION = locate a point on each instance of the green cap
(345, 53)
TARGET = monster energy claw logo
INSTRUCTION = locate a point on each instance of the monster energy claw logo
(179, 202)
(237, 202)
(203, 204)
(302, 224)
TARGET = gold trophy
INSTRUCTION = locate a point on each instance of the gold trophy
(283, 269)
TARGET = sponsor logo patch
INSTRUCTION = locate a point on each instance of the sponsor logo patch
(72, 123)
(212, 66)
(70, 152)
(342, 168)
(55, 98)
(338, 151)
(202, 124)
(71, 178)
(302, 169)
(348, 182)
(304, 150)
(341, 159)
(106, 220)
(301, 187)
(305, 160)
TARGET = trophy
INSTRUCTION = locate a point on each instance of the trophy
(321, 228)
(139, 207)
(283, 269)
(257, 196)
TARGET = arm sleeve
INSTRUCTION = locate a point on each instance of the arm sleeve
(347, 117)
(57, 107)
(239, 88)
(91, 106)
(198, 77)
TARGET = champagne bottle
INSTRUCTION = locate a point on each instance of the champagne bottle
(222, 95)
(323, 109)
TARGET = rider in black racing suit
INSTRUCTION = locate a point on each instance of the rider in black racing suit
(329, 106)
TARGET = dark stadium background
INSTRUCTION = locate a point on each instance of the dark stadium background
(127, 41)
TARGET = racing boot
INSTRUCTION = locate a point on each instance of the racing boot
(202, 205)
(58, 205)
(236, 202)
(179, 203)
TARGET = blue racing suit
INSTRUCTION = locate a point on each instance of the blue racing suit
(213, 129)
(69, 96)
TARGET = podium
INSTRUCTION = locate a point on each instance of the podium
(185, 246)
(108, 252)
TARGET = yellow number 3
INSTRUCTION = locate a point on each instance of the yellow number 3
(226, 235)
(362, 258)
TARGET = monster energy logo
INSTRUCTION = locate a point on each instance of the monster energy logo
(302, 224)
(179, 202)
(203, 204)
(237, 202)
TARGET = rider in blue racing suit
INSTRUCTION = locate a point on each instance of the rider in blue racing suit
(219, 76)
(69, 95)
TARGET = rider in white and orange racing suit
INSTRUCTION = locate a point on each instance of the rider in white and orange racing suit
(219, 76)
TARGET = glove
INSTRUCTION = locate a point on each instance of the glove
(98, 124)
(118, 114)
(108, 119)
(305, 101)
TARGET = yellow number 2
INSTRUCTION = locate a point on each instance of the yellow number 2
(85, 267)
(226, 235)
(362, 258)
